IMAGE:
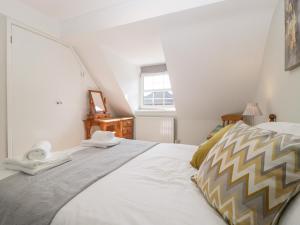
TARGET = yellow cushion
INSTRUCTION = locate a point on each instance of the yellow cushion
(203, 149)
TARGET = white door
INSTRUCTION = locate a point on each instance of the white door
(45, 93)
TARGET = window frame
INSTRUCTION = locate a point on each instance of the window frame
(142, 90)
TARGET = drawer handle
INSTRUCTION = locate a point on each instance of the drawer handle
(126, 130)
(127, 123)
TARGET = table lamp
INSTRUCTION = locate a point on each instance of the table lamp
(252, 110)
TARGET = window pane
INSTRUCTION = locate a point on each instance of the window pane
(168, 94)
(148, 83)
(148, 102)
(167, 83)
(157, 90)
(158, 101)
(169, 101)
(148, 95)
(159, 94)
(157, 82)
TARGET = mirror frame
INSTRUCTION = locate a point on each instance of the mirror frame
(92, 104)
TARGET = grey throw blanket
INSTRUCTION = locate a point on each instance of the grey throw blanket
(35, 200)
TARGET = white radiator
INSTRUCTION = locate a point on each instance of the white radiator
(158, 129)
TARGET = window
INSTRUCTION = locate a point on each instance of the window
(156, 91)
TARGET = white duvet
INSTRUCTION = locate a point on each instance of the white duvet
(152, 189)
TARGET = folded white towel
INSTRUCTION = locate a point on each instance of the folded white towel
(39, 151)
(103, 136)
(101, 144)
(37, 166)
(29, 164)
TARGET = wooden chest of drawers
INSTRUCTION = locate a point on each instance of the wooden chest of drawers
(123, 127)
(127, 128)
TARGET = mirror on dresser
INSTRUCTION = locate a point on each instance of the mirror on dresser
(100, 117)
(97, 102)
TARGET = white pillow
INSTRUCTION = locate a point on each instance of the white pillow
(291, 214)
(282, 127)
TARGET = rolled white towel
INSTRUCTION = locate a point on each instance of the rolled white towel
(39, 151)
(103, 136)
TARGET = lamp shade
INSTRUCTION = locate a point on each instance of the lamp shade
(252, 109)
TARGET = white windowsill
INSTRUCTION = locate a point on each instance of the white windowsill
(156, 112)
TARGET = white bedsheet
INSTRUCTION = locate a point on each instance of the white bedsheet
(152, 189)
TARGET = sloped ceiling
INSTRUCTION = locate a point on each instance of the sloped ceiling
(103, 65)
(129, 12)
(66, 9)
(18, 11)
(213, 53)
(215, 60)
(139, 43)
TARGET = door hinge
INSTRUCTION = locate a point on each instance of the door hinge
(11, 39)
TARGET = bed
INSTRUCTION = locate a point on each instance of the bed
(152, 189)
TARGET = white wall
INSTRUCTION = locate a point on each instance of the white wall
(193, 131)
(278, 90)
(52, 73)
(117, 78)
(30, 17)
(214, 66)
(127, 76)
(3, 137)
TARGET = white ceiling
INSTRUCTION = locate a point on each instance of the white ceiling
(129, 12)
(138, 43)
(214, 51)
(86, 15)
(65, 9)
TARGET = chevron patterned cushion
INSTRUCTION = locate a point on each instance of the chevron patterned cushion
(251, 174)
